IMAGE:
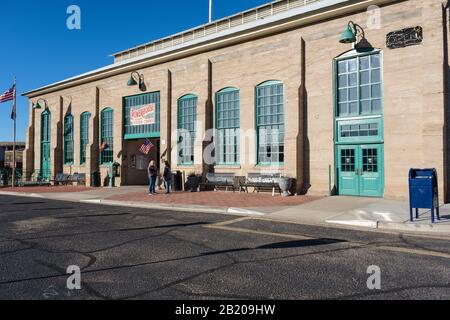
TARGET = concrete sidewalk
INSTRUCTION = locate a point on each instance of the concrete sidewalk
(344, 212)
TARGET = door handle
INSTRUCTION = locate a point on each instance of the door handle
(360, 172)
(357, 172)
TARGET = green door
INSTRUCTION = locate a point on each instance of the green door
(360, 170)
(45, 145)
(371, 170)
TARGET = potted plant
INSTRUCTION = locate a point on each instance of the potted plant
(193, 181)
(285, 184)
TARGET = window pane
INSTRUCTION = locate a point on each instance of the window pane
(375, 61)
(343, 81)
(365, 107)
(352, 66)
(376, 91)
(365, 77)
(365, 63)
(342, 66)
(376, 76)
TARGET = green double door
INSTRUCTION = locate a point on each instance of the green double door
(360, 170)
(45, 160)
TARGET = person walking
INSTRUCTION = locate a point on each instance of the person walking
(166, 176)
(152, 173)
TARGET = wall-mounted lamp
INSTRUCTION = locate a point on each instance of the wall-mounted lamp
(37, 105)
(351, 32)
(137, 81)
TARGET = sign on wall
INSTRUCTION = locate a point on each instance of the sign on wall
(404, 38)
(143, 115)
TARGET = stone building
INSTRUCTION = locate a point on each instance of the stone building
(284, 88)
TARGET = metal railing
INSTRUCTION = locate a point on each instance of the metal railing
(220, 25)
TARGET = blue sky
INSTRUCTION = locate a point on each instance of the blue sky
(38, 48)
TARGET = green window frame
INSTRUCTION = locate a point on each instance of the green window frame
(359, 85)
(45, 126)
(270, 123)
(227, 149)
(187, 117)
(84, 135)
(107, 135)
(68, 139)
(141, 131)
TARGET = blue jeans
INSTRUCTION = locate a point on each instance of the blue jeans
(167, 185)
(152, 184)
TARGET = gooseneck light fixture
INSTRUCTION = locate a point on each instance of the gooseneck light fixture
(351, 33)
(37, 105)
(137, 79)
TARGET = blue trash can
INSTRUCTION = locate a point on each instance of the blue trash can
(423, 192)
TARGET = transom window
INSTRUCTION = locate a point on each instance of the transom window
(106, 135)
(359, 130)
(227, 125)
(68, 139)
(187, 116)
(270, 122)
(360, 86)
(84, 135)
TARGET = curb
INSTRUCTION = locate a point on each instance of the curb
(394, 226)
(368, 224)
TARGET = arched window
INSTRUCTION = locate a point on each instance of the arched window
(84, 135)
(270, 122)
(227, 125)
(68, 139)
(106, 136)
(187, 116)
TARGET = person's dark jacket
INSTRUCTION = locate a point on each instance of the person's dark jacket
(152, 171)
(166, 173)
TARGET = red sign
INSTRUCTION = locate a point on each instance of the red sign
(143, 115)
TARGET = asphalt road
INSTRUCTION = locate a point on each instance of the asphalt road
(129, 253)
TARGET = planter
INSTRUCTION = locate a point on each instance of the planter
(193, 183)
(285, 185)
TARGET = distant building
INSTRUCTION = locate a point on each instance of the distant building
(6, 154)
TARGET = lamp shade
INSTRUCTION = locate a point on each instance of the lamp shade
(348, 36)
(37, 105)
(131, 82)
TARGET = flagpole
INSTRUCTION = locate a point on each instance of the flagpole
(210, 10)
(14, 142)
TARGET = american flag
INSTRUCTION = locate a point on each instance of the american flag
(146, 147)
(8, 95)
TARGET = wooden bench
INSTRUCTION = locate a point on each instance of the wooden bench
(220, 180)
(36, 179)
(261, 182)
(78, 178)
(61, 178)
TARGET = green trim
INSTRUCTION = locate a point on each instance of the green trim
(84, 135)
(270, 83)
(339, 121)
(257, 125)
(46, 135)
(142, 136)
(107, 156)
(187, 122)
(68, 144)
(221, 129)
(141, 131)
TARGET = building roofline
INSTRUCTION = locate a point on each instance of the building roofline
(204, 26)
(315, 11)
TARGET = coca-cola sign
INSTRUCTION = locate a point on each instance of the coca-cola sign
(143, 115)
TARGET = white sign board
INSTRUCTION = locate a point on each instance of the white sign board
(143, 115)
